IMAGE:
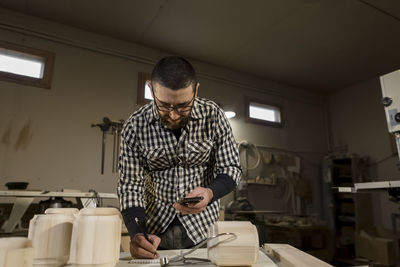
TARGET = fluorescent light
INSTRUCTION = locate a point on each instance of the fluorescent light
(230, 114)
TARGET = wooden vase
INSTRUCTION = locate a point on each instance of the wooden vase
(242, 251)
(50, 234)
(16, 251)
(96, 237)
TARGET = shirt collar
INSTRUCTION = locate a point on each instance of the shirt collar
(196, 110)
(195, 113)
(153, 114)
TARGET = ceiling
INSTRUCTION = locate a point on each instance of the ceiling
(319, 45)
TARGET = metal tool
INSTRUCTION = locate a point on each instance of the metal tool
(115, 135)
(181, 259)
(104, 127)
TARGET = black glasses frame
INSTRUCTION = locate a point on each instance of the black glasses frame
(180, 109)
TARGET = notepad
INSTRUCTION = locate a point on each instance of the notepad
(144, 261)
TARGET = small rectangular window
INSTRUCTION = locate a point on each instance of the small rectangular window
(26, 65)
(147, 92)
(265, 113)
(21, 64)
(143, 91)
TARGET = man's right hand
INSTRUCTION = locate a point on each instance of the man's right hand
(142, 249)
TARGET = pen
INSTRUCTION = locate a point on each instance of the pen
(142, 230)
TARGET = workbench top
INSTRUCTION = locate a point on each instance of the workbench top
(263, 259)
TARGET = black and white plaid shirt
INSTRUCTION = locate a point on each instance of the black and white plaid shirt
(156, 169)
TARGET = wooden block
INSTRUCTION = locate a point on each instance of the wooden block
(125, 243)
(242, 251)
(16, 251)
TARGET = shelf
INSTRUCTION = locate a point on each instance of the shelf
(344, 196)
(348, 212)
(343, 178)
(346, 218)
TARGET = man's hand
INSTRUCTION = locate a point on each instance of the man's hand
(207, 195)
(142, 249)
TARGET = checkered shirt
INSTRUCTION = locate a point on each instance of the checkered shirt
(156, 169)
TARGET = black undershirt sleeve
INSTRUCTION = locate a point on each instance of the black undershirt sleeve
(222, 185)
(129, 216)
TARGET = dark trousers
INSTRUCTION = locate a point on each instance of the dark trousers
(175, 237)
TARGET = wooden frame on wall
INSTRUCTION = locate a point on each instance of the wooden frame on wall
(249, 100)
(47, 57)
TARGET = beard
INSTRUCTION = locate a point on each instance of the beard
(173, 125)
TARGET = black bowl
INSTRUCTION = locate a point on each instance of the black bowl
(17, 185)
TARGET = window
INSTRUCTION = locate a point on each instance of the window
(143, 92)
(265, 113)
(147, 92)
(25, 65)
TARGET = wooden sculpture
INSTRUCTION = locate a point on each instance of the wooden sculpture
(96, 237)
(50, 234)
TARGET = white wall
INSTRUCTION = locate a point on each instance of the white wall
(358, 122)
(96, 76)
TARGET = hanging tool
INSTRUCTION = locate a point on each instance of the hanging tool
(119, 129)
(113, 128)
(114, 133)
(104, 127)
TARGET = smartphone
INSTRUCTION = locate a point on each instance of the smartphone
(190, 200)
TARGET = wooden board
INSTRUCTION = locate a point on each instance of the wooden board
(290, 256)
(263, 259)
(241, 251)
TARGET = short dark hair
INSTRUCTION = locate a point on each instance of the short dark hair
(174, 72)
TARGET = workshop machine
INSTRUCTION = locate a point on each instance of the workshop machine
(390, 85)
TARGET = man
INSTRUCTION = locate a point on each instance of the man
(177, 146)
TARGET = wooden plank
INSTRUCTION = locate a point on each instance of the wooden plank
(290, 256)
(263, 260)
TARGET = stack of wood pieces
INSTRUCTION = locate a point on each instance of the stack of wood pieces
(242, 251)
(87, 237)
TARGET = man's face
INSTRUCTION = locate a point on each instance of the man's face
(174, 106)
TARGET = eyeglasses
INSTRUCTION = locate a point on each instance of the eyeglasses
(179, 108)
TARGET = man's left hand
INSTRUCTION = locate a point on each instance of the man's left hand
(207, 195)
